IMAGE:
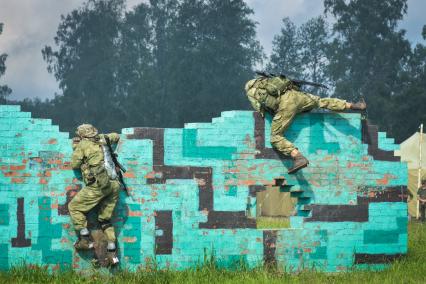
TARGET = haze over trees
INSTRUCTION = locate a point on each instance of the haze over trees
(369, 54)
(4, 89)
(161, 64)
(301, 52)
(364, 55)
(166, 62)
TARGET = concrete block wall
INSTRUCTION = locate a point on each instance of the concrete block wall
(193, 192)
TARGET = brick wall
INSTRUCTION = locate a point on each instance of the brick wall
(193, 188)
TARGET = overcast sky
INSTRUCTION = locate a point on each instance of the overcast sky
(32, 24)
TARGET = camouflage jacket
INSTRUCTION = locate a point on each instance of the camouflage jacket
(264, 93)
(88, 155)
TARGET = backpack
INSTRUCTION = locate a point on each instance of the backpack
(275, 86)
(263, 93)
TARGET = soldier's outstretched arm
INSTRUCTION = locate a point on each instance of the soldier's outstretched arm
(113, 137)
(77, 157)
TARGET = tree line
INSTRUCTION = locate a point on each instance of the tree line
(4, 89)
(166, 62)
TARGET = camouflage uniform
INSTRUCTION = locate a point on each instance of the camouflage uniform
(284, 108)
(100, 189)
(421, 194)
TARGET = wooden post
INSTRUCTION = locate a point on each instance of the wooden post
(419, 173)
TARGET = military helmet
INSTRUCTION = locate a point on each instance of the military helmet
(249, 84)
(86, 131)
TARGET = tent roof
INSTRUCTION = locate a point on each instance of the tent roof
(410, 152)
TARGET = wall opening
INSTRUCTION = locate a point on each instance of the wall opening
(274, 208)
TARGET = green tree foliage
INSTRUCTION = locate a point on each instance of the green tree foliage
(286, 57)
(136, 80)
(409, 103)
(368, 54)
(160, 64)
(85, 65)
(4, 89)
(164, 14)
(301, 52)
(314, 48)
(165, 62)
(214, 49)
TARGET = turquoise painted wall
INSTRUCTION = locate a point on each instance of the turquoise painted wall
(192, 190)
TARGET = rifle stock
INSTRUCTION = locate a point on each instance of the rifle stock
(297, 82)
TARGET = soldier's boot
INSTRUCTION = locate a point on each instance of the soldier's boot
(361, 105)
(111, 254)
(112, 257)
(299, 162)
(84, 241)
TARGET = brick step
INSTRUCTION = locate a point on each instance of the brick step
(280, 181)
(303, 212)
(303, 200)
(291, 188)
(302, 194)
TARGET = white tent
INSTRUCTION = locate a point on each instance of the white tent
(410, 152)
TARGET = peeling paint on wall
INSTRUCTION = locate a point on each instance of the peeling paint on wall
(193, 191)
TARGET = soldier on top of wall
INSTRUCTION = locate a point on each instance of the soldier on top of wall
(91, 154)
(282, 98)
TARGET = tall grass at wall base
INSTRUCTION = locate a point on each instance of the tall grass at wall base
(409, 269)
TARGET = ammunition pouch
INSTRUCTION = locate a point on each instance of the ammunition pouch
(267, 102)
(88, 176)
(93, 174)
(270, 103)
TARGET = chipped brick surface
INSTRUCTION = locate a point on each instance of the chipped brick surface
(193, 190)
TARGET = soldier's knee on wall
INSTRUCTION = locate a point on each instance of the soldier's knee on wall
(71, 205)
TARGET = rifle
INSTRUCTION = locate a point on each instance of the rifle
(118, 167)
(296, 82)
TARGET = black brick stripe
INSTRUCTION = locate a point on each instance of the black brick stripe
(20, 241)
(366, 258)
(359, 212)
(370, 136)
(269, 247)
(164, 222)
(215, 219)
(259, 136)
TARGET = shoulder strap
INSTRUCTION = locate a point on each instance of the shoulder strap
(108, 143)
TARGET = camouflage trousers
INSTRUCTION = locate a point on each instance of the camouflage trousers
(104, 192)
(292, 103)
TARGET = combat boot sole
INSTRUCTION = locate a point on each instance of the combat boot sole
(294, 169)
(361, 105)
(300, 162)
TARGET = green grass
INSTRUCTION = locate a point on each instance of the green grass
(272, 223)
(410, 269)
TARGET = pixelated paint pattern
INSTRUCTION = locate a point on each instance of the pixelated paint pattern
(193, 191)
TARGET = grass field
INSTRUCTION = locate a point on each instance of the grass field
(410, 269)
(272, 223)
